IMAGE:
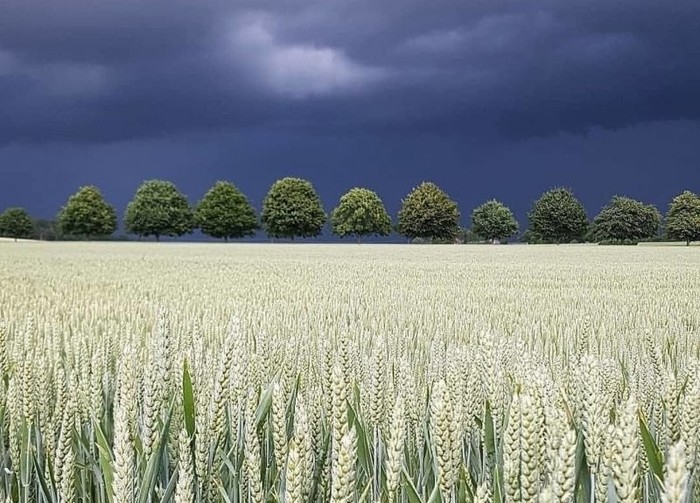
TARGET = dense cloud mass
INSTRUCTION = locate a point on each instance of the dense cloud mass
(89, 71)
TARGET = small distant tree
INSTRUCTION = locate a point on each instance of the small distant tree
(16, 223)
(625, 220)
(428, 212)
(465, 235)
(683, 218)
(225, 213)
(45, 230)
(87, 215)
(557, 217)
(494, 221)
(292, 209)
(360, 212)
(159, 209)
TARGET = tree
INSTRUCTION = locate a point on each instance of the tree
(224, 212)
(158, 209)
(625, 220)
(683, 218)
(465, 236)
(46, 230)
(87, 214)
(428, 213)
(16, 223)
(557, 217)
(494, 221)
(360, 212)
(292, 209)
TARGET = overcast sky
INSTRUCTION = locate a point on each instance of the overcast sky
(489, 99)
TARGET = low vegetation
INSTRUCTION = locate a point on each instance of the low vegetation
(196, 373)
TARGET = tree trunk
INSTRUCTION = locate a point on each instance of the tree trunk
(687, 243)
(225, 239)
(157, 238)
(359, 240)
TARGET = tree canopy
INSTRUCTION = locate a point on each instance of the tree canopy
(225, 212)
(16, 223)
(683, 218)
(557, 217)
(360, 212)
(625, 220)
(493, 221)
(292, 209)
(87, 214)
(158, 209)
(428, 212)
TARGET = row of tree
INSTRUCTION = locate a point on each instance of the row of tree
(293, 209)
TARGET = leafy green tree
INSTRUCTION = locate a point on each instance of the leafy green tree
(360, 212)
(625, 220)
(683, 218)
(225, 212)
(87, 214)
(494, 221)
(16, 223)
(292, 209)
(427, 212)
(557, 217)
(159, 209)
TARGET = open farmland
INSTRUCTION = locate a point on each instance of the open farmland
(201, 372)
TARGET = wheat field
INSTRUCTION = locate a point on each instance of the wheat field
(137, 372)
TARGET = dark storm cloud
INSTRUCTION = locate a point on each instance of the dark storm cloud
(114, 70)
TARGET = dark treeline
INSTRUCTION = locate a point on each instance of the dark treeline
(292, 209)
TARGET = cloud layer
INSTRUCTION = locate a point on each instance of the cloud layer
(89, 71)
